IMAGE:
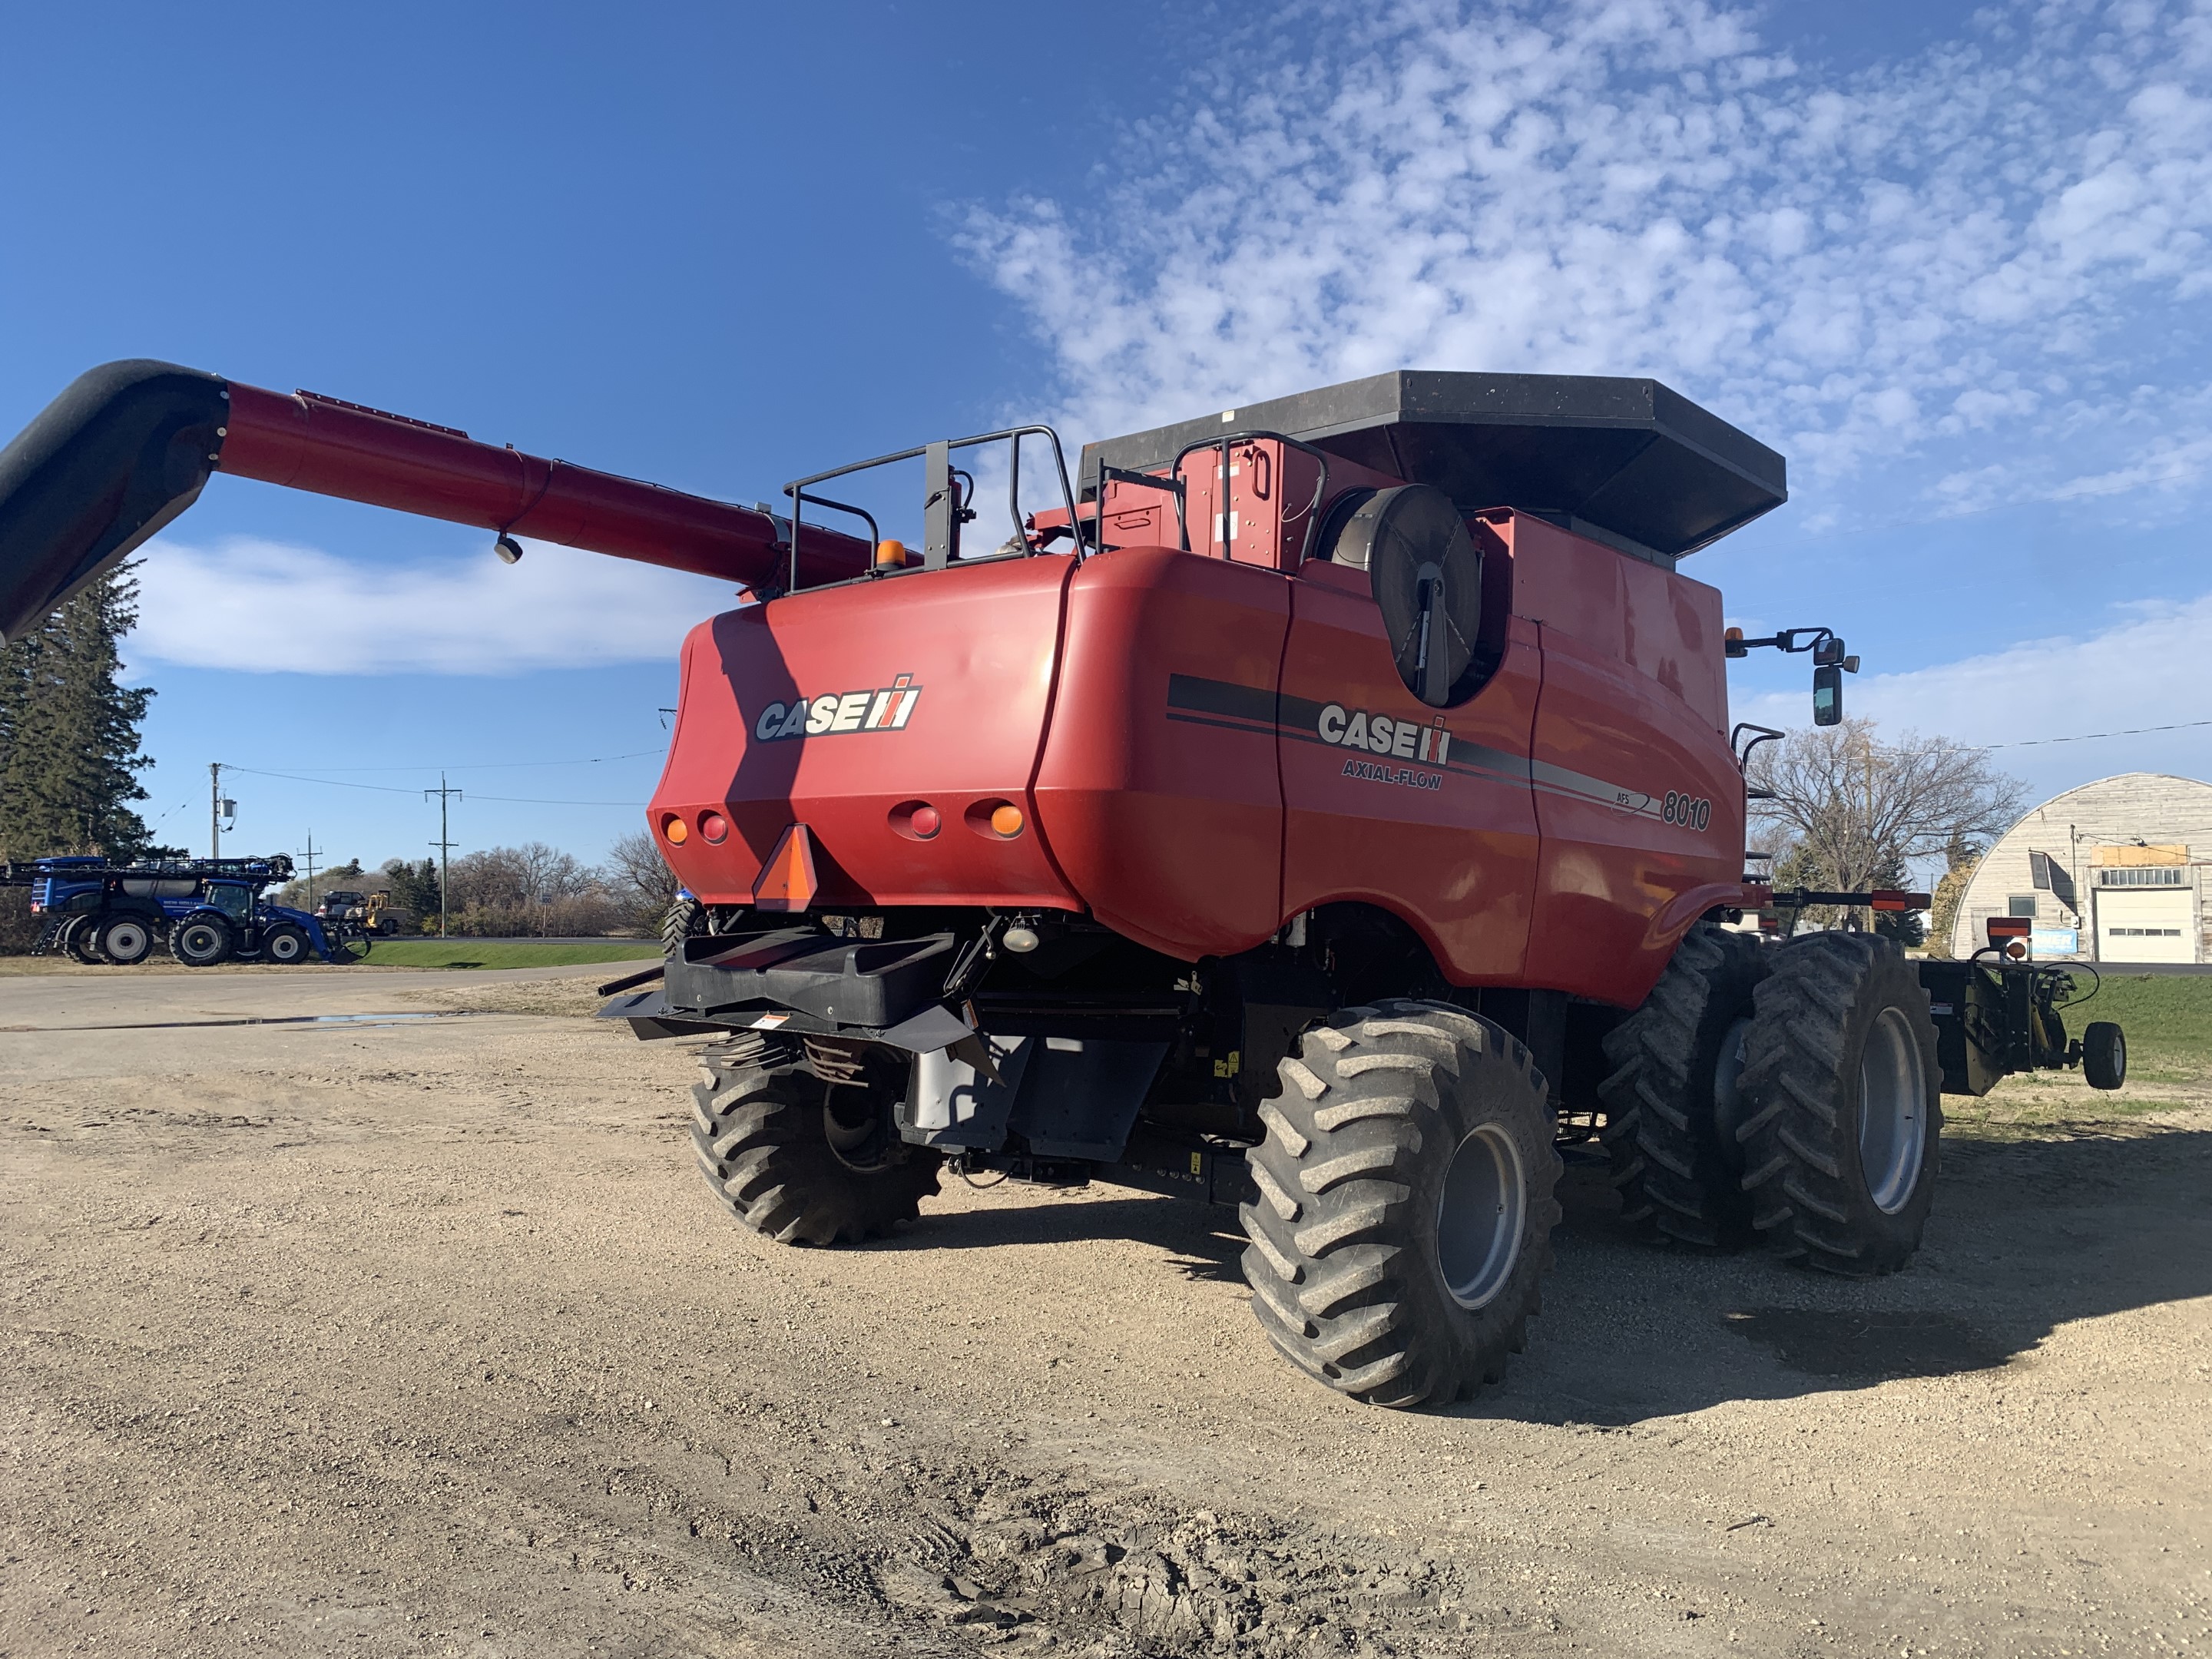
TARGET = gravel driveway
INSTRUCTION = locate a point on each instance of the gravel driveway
(417, 1334)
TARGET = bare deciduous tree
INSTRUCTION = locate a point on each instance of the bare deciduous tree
(640, 878)
(1850, 811)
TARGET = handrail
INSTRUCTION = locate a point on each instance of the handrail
(1012, 436)
(1313, 509)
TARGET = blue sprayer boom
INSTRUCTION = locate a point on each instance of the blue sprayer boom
(206, 911)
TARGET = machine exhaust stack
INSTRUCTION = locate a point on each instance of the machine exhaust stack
(130, 446)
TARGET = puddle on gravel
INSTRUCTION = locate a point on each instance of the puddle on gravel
(257, 1019)
(1867, 1344)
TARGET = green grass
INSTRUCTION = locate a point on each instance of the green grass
(468, 953)
(2167, 1019)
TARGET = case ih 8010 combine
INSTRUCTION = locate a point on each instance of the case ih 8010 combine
(1327, 806)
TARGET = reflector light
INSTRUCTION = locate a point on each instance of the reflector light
(2016, 950)
(676, 829)
(1007, 821)
(2004, 927)
(925, 822)
(715, 828)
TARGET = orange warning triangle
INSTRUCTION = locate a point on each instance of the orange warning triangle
(786, 880)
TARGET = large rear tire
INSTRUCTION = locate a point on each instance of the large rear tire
(1406, 1203)
(803, 1160)
(202, 939)
(1841, 1081)
(125, 941)
(1671, 1101)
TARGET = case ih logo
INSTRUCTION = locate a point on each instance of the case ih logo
(887, 709)
(1381, 735)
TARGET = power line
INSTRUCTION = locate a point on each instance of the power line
(2085, 737)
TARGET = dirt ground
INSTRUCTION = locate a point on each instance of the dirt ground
(420, 1335)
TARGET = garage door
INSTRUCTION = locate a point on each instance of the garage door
(2146, 927)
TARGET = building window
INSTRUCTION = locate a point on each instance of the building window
(2021, 904)
(2142, 876)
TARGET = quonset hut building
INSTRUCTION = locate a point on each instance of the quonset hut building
(2112, 872)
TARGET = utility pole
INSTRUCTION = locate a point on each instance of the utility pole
(215, 809)
(311, 869)
(444, 843)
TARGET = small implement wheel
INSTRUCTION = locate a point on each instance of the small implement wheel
(124, 940)
(801, 1157)
(284, 945)
(1671, 1101)
(2104, 1055)
(78, 938)
(202, 940)
(1841, 1081)
(1406, 1203)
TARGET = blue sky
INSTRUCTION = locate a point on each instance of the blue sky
(1951, 261)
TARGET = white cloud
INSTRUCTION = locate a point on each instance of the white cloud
(2144, 671)
(271, 607)
(1981, 252)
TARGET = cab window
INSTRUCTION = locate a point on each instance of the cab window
(232, 900)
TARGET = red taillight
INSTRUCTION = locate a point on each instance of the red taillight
(715, 827)
(917, 820)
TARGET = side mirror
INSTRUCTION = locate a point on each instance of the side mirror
(1828, 695)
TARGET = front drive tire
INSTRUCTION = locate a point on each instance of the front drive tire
(284, 946)
(802, 1160)
(1841, 1083)
(1671, 1100)
(1406, 1203)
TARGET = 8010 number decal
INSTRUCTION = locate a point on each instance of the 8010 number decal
(1686, 810)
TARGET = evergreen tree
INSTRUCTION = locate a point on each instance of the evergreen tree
(69, 732)
(413, 887)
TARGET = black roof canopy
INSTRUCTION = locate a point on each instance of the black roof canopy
(1626, 461)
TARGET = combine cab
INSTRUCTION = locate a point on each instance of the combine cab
(1327, 807)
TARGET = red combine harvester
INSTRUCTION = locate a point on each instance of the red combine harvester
(1327, 807)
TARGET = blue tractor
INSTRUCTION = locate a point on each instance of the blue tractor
(206, 911)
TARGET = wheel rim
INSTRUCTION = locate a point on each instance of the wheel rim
(284, 947)
(1728, 1098)
(199, 939)
(853, 1128)
(126, 941)
(1892, 1111)
(1479, 1216)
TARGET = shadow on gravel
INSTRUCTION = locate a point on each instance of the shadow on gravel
(1205, 1242)
(2026, 1236)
